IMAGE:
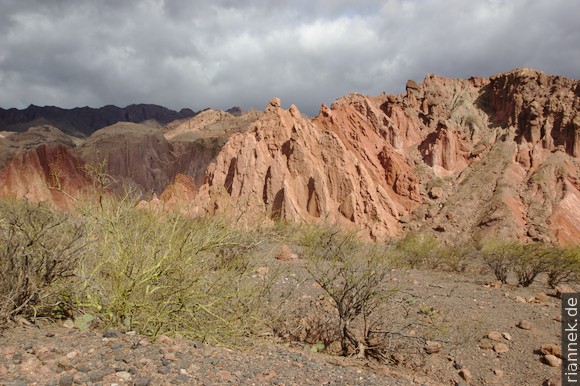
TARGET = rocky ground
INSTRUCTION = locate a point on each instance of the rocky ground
(479, 333)
(51, 354)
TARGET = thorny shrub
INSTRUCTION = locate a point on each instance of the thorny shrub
(355, 275)
(39, 251)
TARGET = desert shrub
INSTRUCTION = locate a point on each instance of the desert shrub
(500, 256)
(417, 250)
(354, 275)
(532, 259)
(457, 257)
(564, 265)
(39, 250)
(167, 273)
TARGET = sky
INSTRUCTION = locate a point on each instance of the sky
(224, 53)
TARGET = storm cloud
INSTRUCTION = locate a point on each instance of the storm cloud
(224, 53)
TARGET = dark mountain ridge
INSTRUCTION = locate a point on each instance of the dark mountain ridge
(83, 121)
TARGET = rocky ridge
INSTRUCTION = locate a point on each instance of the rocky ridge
(464, 158)
(83, 121)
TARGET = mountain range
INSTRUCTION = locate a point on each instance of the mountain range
(460, 158)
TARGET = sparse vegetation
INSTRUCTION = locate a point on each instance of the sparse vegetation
(499, 255)
(355, 277)
(527, 261)
(113, 264)
(39, 251)
(564, 265)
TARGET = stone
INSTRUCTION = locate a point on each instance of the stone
(563, 288)
(498, 373)
(524, 325)
(552, 349)
(96, 376)
(500, 348)
(539, 298)
(66, 380)
(111, 334)
(485, 344)
(73, 354)
(124, 375)
(433, 347)
(262, 271)
(553, 360)
(495, 335)
(284, 253)
(164, 339)
(494, 284)
(436, 192)
(520, 299)
(506, 335)
(555, 380)
(68, 324)
(466, 375)
(143, 381)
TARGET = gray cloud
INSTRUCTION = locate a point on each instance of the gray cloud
(182, 53)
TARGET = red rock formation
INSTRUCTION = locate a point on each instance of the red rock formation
(290, 168)
(45, 173)
(464, 158)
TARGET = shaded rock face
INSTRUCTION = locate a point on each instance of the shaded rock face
(136, 155)
(465, 159)
(544, 109)
(144, 157)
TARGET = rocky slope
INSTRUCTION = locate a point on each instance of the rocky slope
(464, 158)
(461, 158)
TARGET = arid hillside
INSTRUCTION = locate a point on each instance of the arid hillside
(459, 158)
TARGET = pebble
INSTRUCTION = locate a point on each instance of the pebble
(111, 334)
(466, 375)
(66, 380)
(145, 381)
(555, 380)
(551, 349)
(500, 348)
(494, 335)
(553, 360)
(506, 336)
(524, 325)
(124, 375)
(432, 347)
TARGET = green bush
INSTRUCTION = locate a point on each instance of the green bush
(533, 259)
(169, 274)
(564, 265)
(417, 250)
(501, 255)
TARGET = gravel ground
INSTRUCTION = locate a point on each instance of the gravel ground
(55, 355)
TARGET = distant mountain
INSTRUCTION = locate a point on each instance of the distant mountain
(83, 121)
